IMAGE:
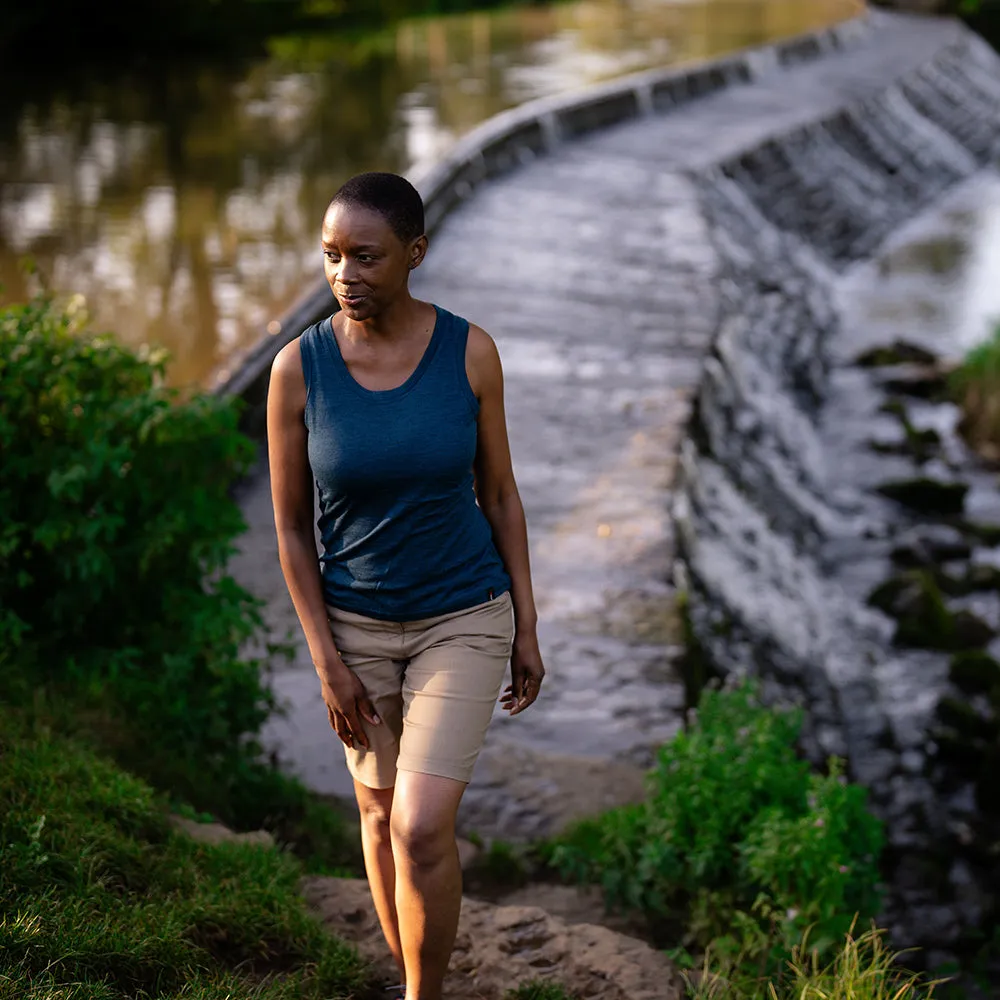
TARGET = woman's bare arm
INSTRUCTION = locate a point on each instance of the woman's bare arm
(500, 502)
(292, 497)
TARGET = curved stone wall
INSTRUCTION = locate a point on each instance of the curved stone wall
(539, 128)
(771, 530)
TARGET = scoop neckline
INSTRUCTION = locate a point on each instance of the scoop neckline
(411, 380)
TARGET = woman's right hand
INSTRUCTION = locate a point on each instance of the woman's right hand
(347, 703)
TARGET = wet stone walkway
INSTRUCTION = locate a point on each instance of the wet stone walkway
(595, 272)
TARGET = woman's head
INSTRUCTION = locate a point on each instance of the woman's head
(373, 236)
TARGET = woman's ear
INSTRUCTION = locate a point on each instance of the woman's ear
(417, 252)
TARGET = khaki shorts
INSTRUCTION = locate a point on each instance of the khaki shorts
(434, 684)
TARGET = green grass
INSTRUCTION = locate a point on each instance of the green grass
(100, 898)
(863, 969)
(975, 386)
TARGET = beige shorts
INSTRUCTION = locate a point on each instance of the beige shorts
(434, 684)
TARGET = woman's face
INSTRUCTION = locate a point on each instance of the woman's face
(366, 263)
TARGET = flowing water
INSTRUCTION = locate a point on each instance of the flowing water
(783, 524)
(184, 203)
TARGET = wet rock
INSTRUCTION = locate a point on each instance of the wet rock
(929, 545)
(899, 352)
(988, 534)
(964, 719)
(920, 381)
(975, 672)
(927, 495)
(981, 576)
(924, 620)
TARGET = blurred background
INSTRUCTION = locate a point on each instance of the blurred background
(172, 165)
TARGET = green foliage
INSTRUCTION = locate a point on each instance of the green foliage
(172, 26)
(975, 386)
(115, 526)
(737, 840)
(100, 898)
(862, 969)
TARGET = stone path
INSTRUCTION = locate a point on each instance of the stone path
(595, 273)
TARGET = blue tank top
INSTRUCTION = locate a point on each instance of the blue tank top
(403, 537)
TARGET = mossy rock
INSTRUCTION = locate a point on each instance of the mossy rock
(899, 352)
(917, 381)
(975, 672)
(988, 785)
(930, 545)
(958, 751)
(927, 495)
(923, 618)
(895, 594)
(981, 576)
(988, 534)
(962, 630)
(963, 719)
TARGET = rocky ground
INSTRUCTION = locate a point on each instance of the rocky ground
(558, 936)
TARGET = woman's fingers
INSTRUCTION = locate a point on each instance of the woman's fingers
(356, 730)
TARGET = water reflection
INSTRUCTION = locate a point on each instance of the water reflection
(185, 205)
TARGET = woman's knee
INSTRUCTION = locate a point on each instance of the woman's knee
(375, 807)
(422, 838)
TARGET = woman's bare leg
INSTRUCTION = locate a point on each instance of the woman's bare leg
(375, 805)
(428, 877)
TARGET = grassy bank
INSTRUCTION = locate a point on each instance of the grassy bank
(118, 621)
(102, 900)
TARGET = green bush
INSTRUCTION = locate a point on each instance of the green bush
(101, 898)
(115, 525)
(738, 841)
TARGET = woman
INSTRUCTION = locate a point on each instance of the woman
(394, 408)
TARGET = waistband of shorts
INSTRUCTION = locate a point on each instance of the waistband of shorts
(501, 600)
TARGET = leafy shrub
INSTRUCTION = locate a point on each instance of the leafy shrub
(115, 526)
(100, 898)
(737, 840)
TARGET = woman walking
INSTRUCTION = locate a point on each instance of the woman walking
(394, 408)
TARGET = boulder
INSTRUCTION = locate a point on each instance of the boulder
(917, 380)
(923, 618)
(927, 495)
(930, 545)
(975, 672)
(899, 352)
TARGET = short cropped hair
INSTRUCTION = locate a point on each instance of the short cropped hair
(391, 196)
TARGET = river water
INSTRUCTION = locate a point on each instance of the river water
(184, 203)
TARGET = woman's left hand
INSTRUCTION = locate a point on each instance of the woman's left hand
(526, 671)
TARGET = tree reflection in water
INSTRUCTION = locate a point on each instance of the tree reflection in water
(183, 202)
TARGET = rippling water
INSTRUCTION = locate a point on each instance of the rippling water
(185, 204)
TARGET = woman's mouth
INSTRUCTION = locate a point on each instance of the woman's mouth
(352, 300)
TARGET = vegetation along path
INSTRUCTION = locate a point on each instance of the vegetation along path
(595, 271)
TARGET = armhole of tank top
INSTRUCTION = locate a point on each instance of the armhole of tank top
(307, 355)
(463, 374)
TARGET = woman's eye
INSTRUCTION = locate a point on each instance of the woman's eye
(331, 256)
(365, 258)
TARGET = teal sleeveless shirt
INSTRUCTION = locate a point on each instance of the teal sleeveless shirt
(402, 535)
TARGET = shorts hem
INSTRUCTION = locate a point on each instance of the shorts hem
(463, 775)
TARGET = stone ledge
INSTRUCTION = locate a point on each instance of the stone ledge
(534, 129)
